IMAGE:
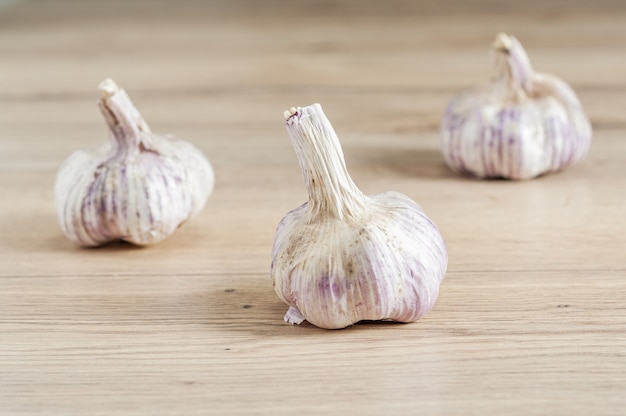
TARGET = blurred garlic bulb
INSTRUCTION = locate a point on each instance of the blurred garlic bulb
(139, 187)
(520, 125)
(343, 256)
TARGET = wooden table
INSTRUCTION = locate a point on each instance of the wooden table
(531, 317)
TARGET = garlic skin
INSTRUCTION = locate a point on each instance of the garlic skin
(139, 187)
(520, 125)
(344, 257)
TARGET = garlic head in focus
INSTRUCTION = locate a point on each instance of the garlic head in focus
(344, 257)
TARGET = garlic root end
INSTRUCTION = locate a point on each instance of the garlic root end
(293, 316)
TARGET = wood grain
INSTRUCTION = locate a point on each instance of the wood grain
(531, 318)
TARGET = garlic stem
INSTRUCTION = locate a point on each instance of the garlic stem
(330, 189)
(512, 62)
(127, 126)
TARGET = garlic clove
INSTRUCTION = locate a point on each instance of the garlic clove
(343, 257)
(520, 125)
(139, 187)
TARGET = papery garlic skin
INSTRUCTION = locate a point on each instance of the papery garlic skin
(521, 125)
(139, 187)
(345, 257)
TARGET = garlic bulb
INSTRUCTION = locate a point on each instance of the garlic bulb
(343, 256)
(520, 125)
(138, 188)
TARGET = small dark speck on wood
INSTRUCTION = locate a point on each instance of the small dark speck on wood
(229, 290)
(562, 306)
(247, 306)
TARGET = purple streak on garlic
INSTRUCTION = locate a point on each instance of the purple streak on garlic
(343, 257)
(521, 125)
(139, 187)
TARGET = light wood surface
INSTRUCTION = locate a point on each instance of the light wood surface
(531, 318)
